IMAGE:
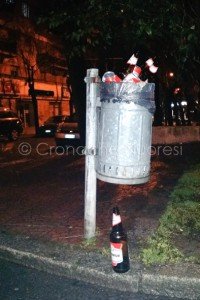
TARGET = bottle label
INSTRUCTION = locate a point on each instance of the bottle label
(116, 253)
(116, 219)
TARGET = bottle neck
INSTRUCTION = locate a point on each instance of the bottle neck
(116, 222)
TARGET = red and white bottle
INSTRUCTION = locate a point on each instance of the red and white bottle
(110, 77)
(150, 65)
(118, 244)
(134, 76)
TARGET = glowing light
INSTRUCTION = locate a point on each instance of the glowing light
(183, 103)
(4, 109)
(171, 74)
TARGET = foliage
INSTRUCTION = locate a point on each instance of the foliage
(89, 244)
(160, 250)
(105, 251)
(169, 30)
(182, 216)
(188, 187)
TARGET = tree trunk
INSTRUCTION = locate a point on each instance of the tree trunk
(33, 97)
(35, 109)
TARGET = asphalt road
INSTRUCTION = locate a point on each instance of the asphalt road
(21, 283)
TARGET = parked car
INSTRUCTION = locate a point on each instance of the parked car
(67, 133)
(50, 125)
(11, 126)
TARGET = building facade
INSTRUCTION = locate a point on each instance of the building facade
(27, 54)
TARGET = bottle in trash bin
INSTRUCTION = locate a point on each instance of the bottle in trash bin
(118, 244)
(110, 77)
(134, 75)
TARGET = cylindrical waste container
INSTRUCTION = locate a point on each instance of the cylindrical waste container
(124, 132)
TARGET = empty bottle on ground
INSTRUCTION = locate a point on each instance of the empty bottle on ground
(118, 244)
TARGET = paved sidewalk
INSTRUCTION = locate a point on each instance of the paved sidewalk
(41, 222)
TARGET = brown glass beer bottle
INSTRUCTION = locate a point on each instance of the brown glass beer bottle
(118, 244)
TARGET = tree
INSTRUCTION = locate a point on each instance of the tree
(27, 51)
(168, 31)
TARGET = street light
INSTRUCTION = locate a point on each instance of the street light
(171, 74)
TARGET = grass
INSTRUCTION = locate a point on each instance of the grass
(180, 219)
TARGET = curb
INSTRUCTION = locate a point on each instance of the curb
(180, 281)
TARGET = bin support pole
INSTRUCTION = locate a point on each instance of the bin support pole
(90, 173)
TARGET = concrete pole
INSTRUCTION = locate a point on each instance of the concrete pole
(90, 173)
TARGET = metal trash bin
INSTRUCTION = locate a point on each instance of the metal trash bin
(124, 132)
